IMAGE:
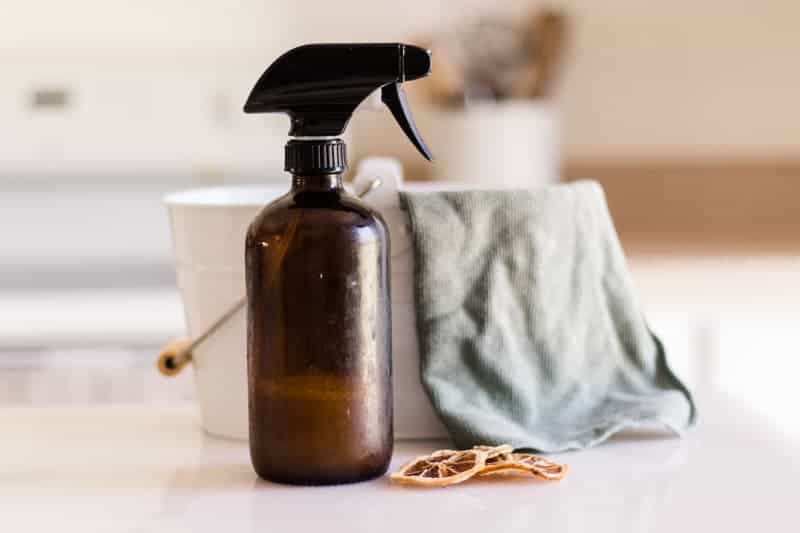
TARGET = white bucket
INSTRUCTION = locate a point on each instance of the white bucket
(209, 227)
(208, 232)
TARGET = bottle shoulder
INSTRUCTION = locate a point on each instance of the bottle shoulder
(320, 212)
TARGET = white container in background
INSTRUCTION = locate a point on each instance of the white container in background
(507, 144)
(208, 231)
(510, 144)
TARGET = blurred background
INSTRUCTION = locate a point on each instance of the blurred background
(685, 111)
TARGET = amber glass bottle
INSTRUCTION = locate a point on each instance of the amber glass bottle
(319, 336)
(317, 262)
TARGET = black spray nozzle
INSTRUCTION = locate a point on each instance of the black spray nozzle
(320, 85)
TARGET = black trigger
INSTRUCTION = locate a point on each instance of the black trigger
(395, 99)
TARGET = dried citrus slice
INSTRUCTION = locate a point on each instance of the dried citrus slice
(502, 462)
(442, 468)
(496, 457)
(541, 467)
(536, 465)
(493, 452)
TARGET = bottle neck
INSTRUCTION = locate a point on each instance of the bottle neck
(317, 183)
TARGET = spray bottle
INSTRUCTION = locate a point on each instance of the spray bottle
(317, 269)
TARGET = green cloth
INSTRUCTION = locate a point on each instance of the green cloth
(529, 329)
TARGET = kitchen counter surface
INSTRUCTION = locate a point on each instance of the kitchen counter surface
(131, 469)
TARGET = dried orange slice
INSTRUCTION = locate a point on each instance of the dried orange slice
(497, 457)
(541, 467)
(442, 468)
(536, 465)
(493, 452)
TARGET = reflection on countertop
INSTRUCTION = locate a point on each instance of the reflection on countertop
(150, 468)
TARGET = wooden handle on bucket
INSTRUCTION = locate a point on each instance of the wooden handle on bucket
(177, 354)
(174, 356)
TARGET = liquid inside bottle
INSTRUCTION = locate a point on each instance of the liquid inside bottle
(319, 337)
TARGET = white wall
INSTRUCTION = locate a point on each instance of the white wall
(156, 87)
(159, 84)
(683, 78)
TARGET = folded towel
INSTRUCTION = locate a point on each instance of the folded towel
(529, 329)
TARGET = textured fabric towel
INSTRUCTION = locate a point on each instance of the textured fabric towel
(529, 329)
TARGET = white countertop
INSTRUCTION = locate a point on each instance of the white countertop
(143, 469)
